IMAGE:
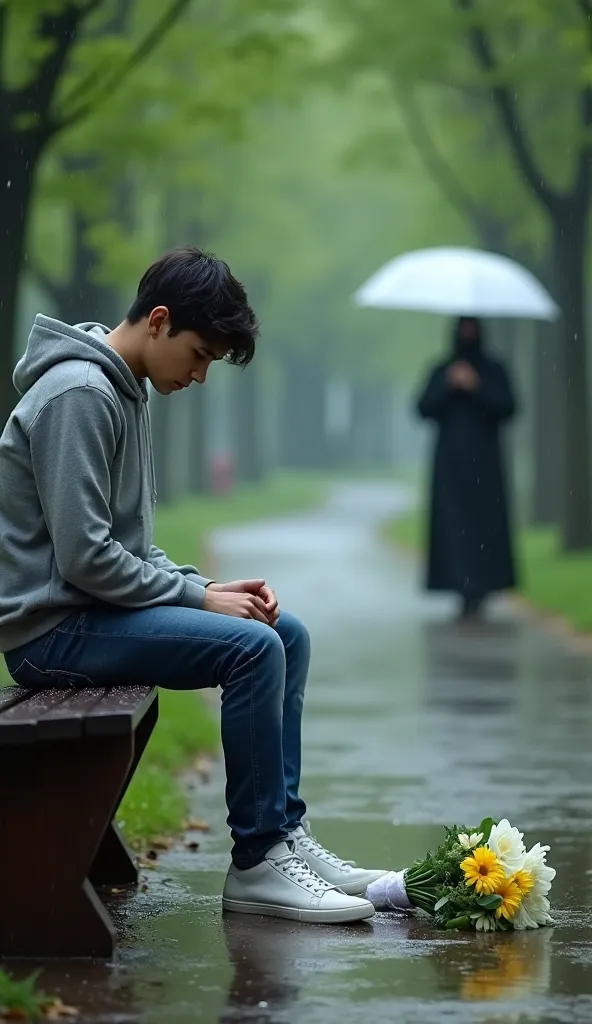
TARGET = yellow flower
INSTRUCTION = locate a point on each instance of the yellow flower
(511, 898)
(483, 870)
(524, 881)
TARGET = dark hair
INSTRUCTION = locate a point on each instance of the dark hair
(201, 295)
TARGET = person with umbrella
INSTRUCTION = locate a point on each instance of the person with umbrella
(468, 396)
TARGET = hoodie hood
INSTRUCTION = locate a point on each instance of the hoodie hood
(52, 341)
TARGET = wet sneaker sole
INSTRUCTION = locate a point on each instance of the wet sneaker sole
(294, 914)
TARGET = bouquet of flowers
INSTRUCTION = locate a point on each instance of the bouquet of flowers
(480, 878)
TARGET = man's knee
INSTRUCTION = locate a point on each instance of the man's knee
(265, 643)
(294, 634)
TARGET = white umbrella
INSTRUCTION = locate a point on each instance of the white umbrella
(459, 282)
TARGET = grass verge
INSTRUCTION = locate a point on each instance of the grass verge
(155, 803)
(550, 580)
(20, 1000)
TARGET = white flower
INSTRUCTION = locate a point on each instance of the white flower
(485, 923)
(534, 909)
(533, 912)
(469, 842)
(506, 843)
(535, 862)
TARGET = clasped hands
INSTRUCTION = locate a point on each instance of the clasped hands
(244, 599)
(462, 375)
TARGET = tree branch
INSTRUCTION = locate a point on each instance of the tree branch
(59, 30)
(508, 112)
(492, 230)
(117, 25)
(582, 182)
(435, 163)
(586, 9)
(112, 84)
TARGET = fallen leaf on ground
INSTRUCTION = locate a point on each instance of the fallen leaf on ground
(148, 865)
(57, 1010)
(152, 855)
(203, 767)
(196, 825)
(162, 843)
(12, 1014)
(116, 892)
(192, 845)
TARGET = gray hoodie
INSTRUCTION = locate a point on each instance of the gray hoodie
(77, 489)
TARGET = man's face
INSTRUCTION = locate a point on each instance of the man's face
(176, 361)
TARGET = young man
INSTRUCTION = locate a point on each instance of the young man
(87, 599)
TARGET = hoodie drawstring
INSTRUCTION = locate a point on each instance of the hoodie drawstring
(145, 453)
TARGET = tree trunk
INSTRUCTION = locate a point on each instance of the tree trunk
(505, 336)
(370, 442)
(303, 413)
(198, 476)
(245, 404)
(547, 413)
(19, 164)
(569, 251)
(82, 299)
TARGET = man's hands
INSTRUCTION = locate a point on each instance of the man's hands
(462, 375)
(244, 599)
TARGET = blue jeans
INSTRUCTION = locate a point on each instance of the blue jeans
(262, 673)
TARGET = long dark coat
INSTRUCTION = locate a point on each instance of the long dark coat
(469, 544)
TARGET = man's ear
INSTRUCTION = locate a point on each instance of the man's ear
(157, 318)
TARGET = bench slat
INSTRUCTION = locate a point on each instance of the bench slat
(56, 714)
(10, 695)
(66, 719)
(18, 724)
(119, 711)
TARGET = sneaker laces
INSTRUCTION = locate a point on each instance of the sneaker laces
(292, 865)
(310, 844)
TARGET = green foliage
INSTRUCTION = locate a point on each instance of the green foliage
(225, 116)
(485, 829)
(491, 902)
(437, 883)
(423, 57)
(143, 87)
(20, 999)
(342, 224)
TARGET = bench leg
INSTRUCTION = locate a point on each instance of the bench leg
(115, 863)
(56, 800)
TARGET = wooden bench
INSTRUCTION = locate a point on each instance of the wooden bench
(66, 760)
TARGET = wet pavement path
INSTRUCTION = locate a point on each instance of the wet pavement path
(411, 722)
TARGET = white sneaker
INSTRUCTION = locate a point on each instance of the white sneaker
(283, 885)
(345, 874)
